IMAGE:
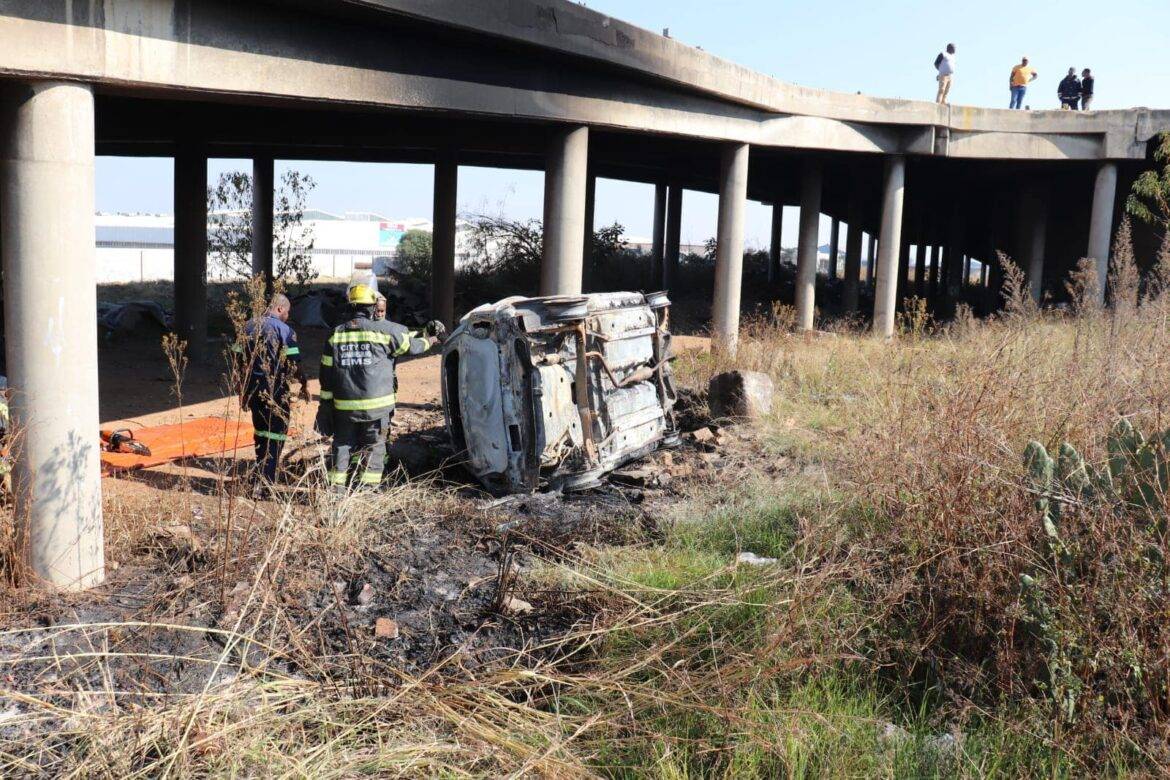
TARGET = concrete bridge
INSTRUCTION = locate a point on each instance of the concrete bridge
(538, 84)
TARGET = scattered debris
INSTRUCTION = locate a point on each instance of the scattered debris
(515, 606)
(177, 545)
(322, 308)
(751, 559)
(365, 596)
(385, 628)
(744, 395)
(893, 734)
(702, 436)
(120, 318)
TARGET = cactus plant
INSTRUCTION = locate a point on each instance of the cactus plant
(1136, 476)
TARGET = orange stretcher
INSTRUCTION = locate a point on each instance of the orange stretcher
(188, 439)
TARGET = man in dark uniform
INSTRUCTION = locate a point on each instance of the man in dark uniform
(357, 389)
(270, 358)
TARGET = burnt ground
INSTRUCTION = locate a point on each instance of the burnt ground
(440, 585)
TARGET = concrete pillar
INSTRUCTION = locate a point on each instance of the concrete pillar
(733, 178)
(1031, 238)
(953, 259)
(1101, 222)
(776, 250)
(47, 208)
(936, 271)
(922, 270)
(806, 246)
(589, 271)
(903, 269)
(444, 217)
(658, 247)
(852, 282)
(565, 184)
(263, 192)
(191, 249)
(886, 293)
(834, 243)
(674, 204)
(871, 261)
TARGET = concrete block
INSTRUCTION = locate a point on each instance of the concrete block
(740, 394)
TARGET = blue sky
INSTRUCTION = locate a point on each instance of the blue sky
(879, 47)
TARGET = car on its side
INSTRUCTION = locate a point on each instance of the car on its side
(555, 392)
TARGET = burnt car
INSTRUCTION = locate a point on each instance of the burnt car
(555, 392)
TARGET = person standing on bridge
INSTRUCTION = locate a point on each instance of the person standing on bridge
(944, 63)
(1086, 89)
(358, 381)
(1069, 91)
(1022, 75)
(268, 358)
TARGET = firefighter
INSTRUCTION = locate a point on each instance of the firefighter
(357, 388)
(270, 359)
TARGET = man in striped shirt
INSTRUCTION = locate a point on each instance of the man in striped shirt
(358, 389)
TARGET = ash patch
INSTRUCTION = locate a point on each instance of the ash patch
(454, 592)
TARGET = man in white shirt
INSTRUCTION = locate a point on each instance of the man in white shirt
(945, 64)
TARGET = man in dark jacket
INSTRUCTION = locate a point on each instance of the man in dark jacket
(1086, 89)
(1069, 91)
(358, 389)
(269, 357)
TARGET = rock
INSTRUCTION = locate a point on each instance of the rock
(385, 628)
(744, 395)
(893, 734)
(702, 436)
(365, 596)
(635, 477)
(751, 559)
(515, 606)
(668, 459)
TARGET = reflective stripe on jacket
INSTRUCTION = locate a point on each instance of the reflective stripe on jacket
(357, 365)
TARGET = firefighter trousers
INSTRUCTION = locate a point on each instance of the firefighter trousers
(358, 455)
(270, 419)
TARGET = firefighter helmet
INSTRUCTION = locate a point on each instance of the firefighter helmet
(362, 295)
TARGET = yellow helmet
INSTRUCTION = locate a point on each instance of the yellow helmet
(362, 294)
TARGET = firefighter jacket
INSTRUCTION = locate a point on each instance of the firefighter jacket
(357, 365)
(266, 357)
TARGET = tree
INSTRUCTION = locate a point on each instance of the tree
(415, 253)
(1149, 199)
(229, 241)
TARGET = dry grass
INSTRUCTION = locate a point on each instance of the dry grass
(891, 638)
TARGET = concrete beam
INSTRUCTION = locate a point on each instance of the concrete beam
(50, 312)
(618, 76)
(733, 178)
(811, 185)
(565, 184)
(886, 294)
(263, 193)
(444, 216)
(1101, 223)
(190, 254)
